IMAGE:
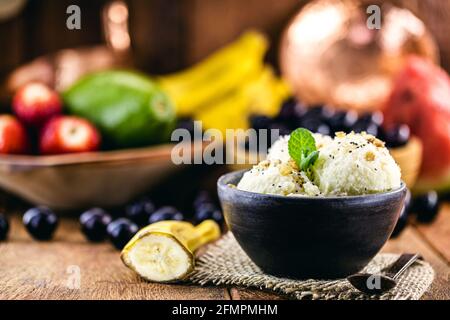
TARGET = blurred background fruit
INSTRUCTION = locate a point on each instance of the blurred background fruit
(4, 227)
(13, 136)
(35, 103)
(426, 206)
(420, 98)
(128, 108)
(121, 231)
(165, 213)
(140, 211)
(94, 223)
(68, 134)
(227, 76)
(41, 222)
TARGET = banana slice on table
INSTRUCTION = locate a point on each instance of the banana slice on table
(164, 251)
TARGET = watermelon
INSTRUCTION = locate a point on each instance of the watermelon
(421, 99)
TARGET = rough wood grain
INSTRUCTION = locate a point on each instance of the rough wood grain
(411, 241)
(438, 232)
(48, 270)
(45, 270)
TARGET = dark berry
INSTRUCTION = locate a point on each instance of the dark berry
(324, 129)
(327, 113)
(121, 231)
(374, 117)
(208, 211)
(188, 124)
(310, 123)
(140, 211)
(426, 206)
(41, 222)
(397, 136)
(202, 197)
(316, 126)
(343, 121)
(319, 112)
(93, 224)
(373, 129)
(4, 227)
(368, 127)
(401, 222)
(260, 122)
(166, 213)
(288, 110)
(283, 129)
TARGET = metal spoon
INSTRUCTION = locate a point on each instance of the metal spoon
(386, 279)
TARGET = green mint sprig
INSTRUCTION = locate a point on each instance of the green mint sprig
(302, 148)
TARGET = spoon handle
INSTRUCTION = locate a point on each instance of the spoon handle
(402, 263)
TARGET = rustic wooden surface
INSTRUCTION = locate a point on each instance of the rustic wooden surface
(47, 270)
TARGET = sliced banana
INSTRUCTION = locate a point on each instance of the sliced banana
(163, 251)
(159, 257)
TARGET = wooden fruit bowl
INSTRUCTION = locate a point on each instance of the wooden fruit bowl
(76, 181)
(408, 157)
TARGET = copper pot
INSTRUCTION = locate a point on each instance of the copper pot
(330, 55)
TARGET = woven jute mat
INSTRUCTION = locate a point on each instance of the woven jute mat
(225, 263)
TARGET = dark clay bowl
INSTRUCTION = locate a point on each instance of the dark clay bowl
(309, 237)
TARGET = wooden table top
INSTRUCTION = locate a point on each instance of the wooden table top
(49, 270)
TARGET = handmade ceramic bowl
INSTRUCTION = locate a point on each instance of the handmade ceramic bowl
(309, 237)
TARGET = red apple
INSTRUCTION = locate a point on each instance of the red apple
(13, 136)
(35, 103)
(68, 134)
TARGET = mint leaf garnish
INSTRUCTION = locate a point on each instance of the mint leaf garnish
(302, 148)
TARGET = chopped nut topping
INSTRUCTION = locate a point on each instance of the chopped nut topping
(370, 156)
(293, 164)
(265, 163)
(285, 170)
(369, 138)
(340, 134)
(276, 162)
(378, 143)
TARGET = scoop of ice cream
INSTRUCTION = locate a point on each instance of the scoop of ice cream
(276, 177)
(355, 164)
(279, 150)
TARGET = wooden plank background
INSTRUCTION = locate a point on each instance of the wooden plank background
(168, 35)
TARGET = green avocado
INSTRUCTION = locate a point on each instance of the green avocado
(127, 107)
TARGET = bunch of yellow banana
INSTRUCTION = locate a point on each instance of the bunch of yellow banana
(225, 88)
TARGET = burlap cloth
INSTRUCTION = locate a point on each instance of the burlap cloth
(225, 263)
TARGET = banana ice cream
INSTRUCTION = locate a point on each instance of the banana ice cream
(355, 164)
(349, 164)
(277, 177)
